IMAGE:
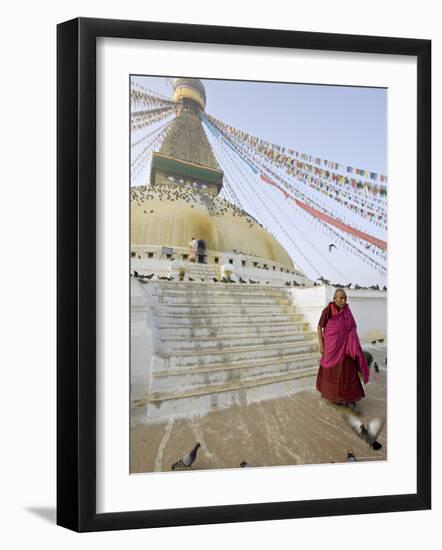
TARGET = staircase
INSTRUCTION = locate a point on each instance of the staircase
(218, 344)
(200, 271)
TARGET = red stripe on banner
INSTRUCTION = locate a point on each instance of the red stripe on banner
(344, 227)
(269, 181)
(328, 219)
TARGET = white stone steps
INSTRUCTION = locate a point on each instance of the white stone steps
(287, 362)
(210, 286)
(206, 357)
(225, 318)
(222, 309)
(235, 385)
(171, 345)
(219, 344)
(227, 300)
(169, 332)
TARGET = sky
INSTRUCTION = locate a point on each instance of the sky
(344, 124)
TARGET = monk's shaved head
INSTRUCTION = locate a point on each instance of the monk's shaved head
(337, 291)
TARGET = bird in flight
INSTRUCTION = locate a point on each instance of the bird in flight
(368, 432)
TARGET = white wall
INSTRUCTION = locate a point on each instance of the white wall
(28, 301)
(369, 308)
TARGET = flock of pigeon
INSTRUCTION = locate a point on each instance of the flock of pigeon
(216, 206)
(356, 286)
(368, 432)
(145, 278)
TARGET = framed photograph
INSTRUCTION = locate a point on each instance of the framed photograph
(244, 259)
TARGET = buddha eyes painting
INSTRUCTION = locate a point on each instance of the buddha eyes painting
(258, 274)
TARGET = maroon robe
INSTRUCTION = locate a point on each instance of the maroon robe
(341, 383)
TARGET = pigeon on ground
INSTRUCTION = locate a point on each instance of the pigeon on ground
(287, 283)
(380, 340)
(252, 282)
(187, 460)
(295, 283)
(384, 288)
(149, 276)
(215, 280)
(368, 432)
(245, 464)
(241, 280)
(350, 457)
(376, 366)
(373, 342)
(190, 279)
(136, 274)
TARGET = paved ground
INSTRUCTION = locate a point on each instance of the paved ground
(300, 429)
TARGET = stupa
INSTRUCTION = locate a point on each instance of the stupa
(182, 202)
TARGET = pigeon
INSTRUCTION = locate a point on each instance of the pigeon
(245, 464)
(368, 432)
(380, 340)
(330, 246)
(252, 282)
(287, 283)
(295, 283)
(384, 288)
(190, 279)
(187, 460)
(202, 280)
(350, 457)
(373, 342)
(136, 274)
(348, 286)
(149, 276)
(241, 280)
(376, 366)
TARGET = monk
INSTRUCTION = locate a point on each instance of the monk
(342, 357)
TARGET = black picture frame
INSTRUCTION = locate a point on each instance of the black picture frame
(76, 274)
